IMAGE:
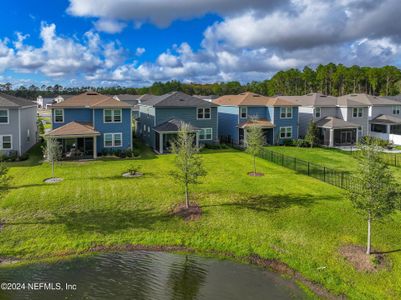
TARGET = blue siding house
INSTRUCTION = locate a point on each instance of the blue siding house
(91, 123)
(160, 118)
(277, 117)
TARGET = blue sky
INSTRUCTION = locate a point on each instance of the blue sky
(137, 42)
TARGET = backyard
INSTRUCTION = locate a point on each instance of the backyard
(283, 215)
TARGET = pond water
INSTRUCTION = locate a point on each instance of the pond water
(146, 275)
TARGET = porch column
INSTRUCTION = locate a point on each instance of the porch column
(94, 147)
(388, 129)
(331, 139)
(357, 135)
(160, 143)
(197, 139)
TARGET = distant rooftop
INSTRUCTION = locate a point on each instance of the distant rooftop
(12, 101)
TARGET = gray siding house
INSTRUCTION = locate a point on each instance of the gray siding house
(160, 118)
(18, 127)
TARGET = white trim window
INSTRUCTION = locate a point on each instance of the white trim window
(285, 132)
(59, 115)
(113, 140)
(206, 134)
(4, 116)
(112, 115)
(318, 112)
(243, 112)
(285, 112)
(6, 142)
(396, 109)
(357, 112)
(204, 113)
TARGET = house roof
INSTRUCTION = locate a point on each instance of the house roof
(252, 99)
(12, 101)
(263, 123)
(172, 125)
(395, 98)
(127, 97)
(355, 100)
(65, 97)
(73, 129)
(335, 123)
(91, 100)
(177, 99)
(386, 119)
(313, 99)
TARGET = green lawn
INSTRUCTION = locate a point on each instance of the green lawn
(283, 215)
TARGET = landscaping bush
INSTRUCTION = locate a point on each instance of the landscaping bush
(370, 140)
(288, 142)
(301, 143)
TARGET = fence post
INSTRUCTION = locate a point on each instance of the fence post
(282, 159)
(295, 163)
(308, 169)
(271, 155)
(395, 160)
(324, 174)
(342, 180)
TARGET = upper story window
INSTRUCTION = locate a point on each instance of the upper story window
(243, 112)
(5, 142)
(112, 115)
(318, 112)
(4, 116)
(58, 115)
(204, 113)
(357, 112)
(396, 109)
(285, 112)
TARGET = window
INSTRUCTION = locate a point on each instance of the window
(285, 112)
(5, 142)
(4, 116)
(357, 112)
(113, 140)
(395, 129)
(204, 113)
(396, 109)
(243, 111)
(206, 134)
(318, 112)
(58, 115)
(112, 116)
(378, 128)
(285, 132)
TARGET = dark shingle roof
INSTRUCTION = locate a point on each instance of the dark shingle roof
(91, 100)
(335, 123)
(127, 97)
(177, 99)
(386, 119)
(12, 101)
(172, 125)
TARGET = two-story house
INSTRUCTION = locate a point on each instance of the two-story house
(160, 119)
(276, 116)
(91, 123)
(18, 125)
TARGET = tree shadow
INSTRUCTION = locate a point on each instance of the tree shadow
(101, 221)
(386, 252)
(272, 203)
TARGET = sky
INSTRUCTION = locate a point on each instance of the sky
(136, 42)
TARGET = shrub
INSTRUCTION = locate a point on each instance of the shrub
(288, 142)
(134, 169)
(301, 143)
(370, 140)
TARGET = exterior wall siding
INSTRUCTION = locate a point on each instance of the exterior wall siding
(278, 122)
(28, 123)
(12, 128)
(363, 121)
(228, 122)
(84, 115)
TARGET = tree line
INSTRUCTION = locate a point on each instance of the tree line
(330, 79)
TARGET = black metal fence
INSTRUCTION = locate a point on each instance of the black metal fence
(337, 178)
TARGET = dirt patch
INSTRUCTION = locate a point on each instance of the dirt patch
(8, 261)
(192, 213)
(357, 257)
(253, 174)
(53, 180)
(129, 175)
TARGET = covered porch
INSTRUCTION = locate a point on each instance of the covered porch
(166, 133)
(266, 126)
(77, 140)
(386, 128)
(334, 132)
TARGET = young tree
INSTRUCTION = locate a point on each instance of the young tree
(254, 142)
(312, 135)
(52, 152)
(188, 163)
(376, 195)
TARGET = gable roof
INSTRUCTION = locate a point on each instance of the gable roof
(386, 119)
(73, 129)
(365, 100)
(91, 100)
(172, 125)
(252, 99)
(335, 123)
(125, 97)
(14, 102)
(262, 123)
(177, 99)
(313, 99)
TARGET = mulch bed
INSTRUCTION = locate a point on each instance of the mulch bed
(192, 213)
(253, 174)
(53, 180)
(357, 257)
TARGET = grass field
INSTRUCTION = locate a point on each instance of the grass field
(283, 215)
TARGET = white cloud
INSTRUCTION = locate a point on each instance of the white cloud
(109, 26)
(139, 51)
